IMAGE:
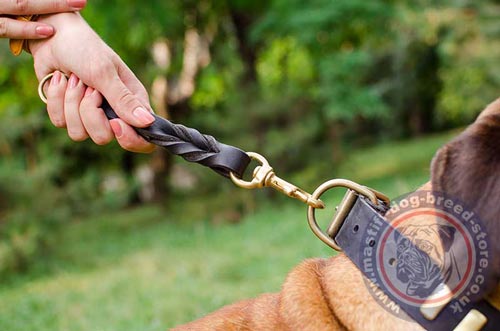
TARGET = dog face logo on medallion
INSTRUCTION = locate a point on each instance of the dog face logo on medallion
(420, 264)
(435, 252)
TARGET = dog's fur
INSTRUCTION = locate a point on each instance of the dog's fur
(329, 294)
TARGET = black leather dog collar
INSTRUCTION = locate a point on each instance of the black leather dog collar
(353, 242)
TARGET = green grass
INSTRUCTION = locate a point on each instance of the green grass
(394, 168)
(148, 269)
(131, 272)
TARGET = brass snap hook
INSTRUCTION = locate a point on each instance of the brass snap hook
(264, 176)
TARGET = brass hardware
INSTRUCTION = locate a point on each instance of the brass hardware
(41, 93)
(473, 321)
(431, 310)
(264, 176)
(342, 210)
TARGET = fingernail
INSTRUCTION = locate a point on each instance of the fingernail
(44, 30)
(116, 127)
(77, 4)
(56, 78)
(73, 81)
(89, 91)
(143, 115)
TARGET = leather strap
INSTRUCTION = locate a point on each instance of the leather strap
(191, 145)
(352, 239)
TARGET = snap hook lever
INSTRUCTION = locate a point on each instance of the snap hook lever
(264, 176)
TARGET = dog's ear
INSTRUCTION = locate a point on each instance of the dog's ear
(468, 169)
(447, 235)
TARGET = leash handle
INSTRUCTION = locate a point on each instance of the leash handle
(191, 145)
(186, 142)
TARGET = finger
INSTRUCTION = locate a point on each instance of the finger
(55, 99)
(129, 139)
(29, 7)
(93, 118)
(72, 99)
(127, 105)
(10, 28)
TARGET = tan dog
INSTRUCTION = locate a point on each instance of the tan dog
(329, 294)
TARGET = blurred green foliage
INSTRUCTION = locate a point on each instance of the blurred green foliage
(303, 82)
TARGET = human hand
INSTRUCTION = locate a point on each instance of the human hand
(94, 70)
(14, 29)
(75, 106)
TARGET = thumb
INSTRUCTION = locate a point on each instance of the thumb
(126, 104)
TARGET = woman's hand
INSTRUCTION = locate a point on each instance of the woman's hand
(14, 29)
(94, 70)
(73, 105)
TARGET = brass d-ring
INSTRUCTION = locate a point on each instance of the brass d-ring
(41, 93)
(342, 210)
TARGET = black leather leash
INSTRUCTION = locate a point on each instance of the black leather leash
(186, 142)
(191, 145)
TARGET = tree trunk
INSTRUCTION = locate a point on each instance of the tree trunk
(170, 98)
(242, 23)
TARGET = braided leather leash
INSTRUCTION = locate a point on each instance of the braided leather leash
(191, 145)
(186, 142)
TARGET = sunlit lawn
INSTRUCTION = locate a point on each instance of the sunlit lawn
(143, 269)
